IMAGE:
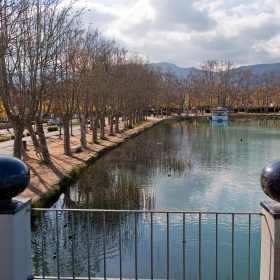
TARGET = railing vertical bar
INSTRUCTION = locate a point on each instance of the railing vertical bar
(88, 251)
(73, 237)
(199, 246)
(167, 237)
(120, 243)
(184, 246)
(232, 251)
(57, 245)
(249, 249)
(43, 249)
(217, 246)
(136, 243)
(152, 251)
(104, 244)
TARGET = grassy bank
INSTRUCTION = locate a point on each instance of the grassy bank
(48, 198)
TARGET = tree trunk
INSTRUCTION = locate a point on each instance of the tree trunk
(94, 131)
(102, 128)
(32, 134)
(91, 117)
(130, 119)
(66, 133)
(7, 126)
(111, 122)
(18, 131)
(71, 126)
(117, 128)
(42, 140)
(60, 126)
(83, 124)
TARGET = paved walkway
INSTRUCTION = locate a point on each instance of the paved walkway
(7, 147)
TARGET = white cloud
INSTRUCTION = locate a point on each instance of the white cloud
(187, 33)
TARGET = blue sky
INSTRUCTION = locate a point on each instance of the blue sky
(188, 32)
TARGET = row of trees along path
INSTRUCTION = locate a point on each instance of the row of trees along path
(50, 62)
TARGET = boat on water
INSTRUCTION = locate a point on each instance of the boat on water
(219, 114)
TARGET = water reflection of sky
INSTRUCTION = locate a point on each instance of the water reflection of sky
(225, 171)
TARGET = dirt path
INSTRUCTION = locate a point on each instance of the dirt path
(43, 177)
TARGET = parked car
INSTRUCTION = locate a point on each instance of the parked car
(55, 121)
(148, 112)
(4, 120)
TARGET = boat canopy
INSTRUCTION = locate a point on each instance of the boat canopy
(220, 109)
(220, 114)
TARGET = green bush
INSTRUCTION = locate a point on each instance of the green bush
(52, 128)
(28, 134)
(5, 138)
(12, 137)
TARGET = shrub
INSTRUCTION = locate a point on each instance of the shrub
(5, 138)
(28, 134)
(12, 137)
(52, 128)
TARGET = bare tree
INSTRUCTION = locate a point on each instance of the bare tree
(209, 72)
(270, 81)
(197, 88)
(27, 70)
(68, 60)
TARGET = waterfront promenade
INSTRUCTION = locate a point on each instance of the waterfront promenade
(43, 177)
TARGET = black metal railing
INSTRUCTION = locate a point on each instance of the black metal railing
(68, 239)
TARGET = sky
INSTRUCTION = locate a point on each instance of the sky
(188, 32)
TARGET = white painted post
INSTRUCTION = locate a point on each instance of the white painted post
(270, 241)
(15, 240)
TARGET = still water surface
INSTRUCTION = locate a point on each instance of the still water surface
(177, 165)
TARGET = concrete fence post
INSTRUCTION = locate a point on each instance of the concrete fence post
(15, 240)
(270, 241)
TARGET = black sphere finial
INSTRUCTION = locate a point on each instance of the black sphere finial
(14, 178)
(270, 180)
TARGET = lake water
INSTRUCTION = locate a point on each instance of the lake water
(184, 165)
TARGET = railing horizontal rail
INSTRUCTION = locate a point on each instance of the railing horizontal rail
(144, 211)
(93, 242)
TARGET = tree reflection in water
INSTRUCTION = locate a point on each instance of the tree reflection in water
(121, 179)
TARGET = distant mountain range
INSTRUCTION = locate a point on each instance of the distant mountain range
(257, 68)
(178, 70)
